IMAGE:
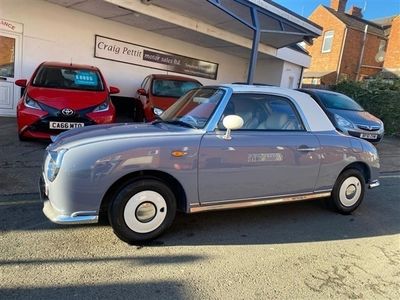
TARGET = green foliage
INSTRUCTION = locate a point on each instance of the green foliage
(379, 97)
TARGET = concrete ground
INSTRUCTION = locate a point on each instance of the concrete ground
(296, 251)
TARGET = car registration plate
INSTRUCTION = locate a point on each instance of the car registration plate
(368, 136)
(65, 125)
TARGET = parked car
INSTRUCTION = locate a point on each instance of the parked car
(218, 147)
(63, 96)
(158, 92)
(348, 116)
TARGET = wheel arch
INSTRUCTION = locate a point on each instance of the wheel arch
(168, 179)
(362, 167)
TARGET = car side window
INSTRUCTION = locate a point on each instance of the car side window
(263, 112)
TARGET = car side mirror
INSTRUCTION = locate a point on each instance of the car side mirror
(114, 90)
(21, 82)
(142, 92)
(231, 122)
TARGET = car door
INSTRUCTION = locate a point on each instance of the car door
(272, 155)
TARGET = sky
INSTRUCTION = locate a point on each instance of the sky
(373, 9)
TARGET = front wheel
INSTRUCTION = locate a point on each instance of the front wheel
(142, 210)
(348, 192)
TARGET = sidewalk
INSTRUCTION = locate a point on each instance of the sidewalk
(20, 162)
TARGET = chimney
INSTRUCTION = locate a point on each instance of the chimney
(339, 5)
(356, 12)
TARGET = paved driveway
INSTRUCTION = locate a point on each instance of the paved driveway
(292, 251)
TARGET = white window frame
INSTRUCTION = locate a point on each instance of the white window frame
(328, 35)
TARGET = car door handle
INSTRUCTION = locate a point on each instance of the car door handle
(3, 78)
(306, 149)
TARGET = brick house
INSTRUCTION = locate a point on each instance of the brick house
(350, 46)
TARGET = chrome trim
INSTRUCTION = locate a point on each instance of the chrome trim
(219, 205)
(306, 149)
(374, 184)
(79, 217)
(368, 127)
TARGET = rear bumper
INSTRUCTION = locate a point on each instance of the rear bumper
(374, 184)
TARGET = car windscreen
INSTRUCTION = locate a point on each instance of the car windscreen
(172, 88)
(339, 101)
(68, 78)
(195, 108)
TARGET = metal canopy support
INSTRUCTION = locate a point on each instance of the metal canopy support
(254, 48)
(257, 30)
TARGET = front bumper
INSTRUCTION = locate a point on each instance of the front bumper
(55, 216)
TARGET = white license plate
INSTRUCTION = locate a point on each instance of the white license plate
(65, 125)
(368, 136)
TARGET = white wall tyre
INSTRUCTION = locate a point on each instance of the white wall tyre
(142, 210)
(348, 192)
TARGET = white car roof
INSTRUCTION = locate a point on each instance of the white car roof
(313, 114)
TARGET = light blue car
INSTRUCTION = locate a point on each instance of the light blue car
(218, 147)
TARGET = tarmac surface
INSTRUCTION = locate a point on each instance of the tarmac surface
(296, 251)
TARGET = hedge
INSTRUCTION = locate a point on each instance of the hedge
(379, 97)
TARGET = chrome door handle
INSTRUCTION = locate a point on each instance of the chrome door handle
(306, 149)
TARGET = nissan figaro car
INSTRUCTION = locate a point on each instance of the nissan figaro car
(218, 147)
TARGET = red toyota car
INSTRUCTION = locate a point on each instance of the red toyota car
(63, 96)
(159, 91)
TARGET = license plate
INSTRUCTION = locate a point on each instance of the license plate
(65, 125)
(368, 136)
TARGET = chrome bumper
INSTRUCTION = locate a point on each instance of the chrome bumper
(80, 217)
(374, 184)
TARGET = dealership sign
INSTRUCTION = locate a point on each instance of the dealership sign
(112, 49)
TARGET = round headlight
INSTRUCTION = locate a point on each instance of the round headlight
(54, 164)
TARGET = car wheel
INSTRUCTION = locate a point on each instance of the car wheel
(348, 192)
(142, 210)
(22, 138)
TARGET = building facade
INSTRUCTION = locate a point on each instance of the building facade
(351, 47)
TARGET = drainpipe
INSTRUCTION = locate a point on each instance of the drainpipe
(362, 52)
(341, 55)
(300, 84)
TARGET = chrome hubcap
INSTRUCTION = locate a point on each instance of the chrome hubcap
(351, 191)
(146, 212)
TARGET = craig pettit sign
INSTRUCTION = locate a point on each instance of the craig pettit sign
(111, 49)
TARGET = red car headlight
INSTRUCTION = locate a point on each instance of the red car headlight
(29, 102)
(102, 107)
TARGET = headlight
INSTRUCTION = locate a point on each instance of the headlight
(157, 111)
(54, 164)
(102, 107)
(29, 102)
(342, 122)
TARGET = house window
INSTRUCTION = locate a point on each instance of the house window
(328, 41)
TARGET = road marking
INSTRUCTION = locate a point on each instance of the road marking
(389, 176)
(5, 203)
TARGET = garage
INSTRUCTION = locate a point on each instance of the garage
(221, 41)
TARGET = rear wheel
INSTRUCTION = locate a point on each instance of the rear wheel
(142, 210)
(348, 192)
